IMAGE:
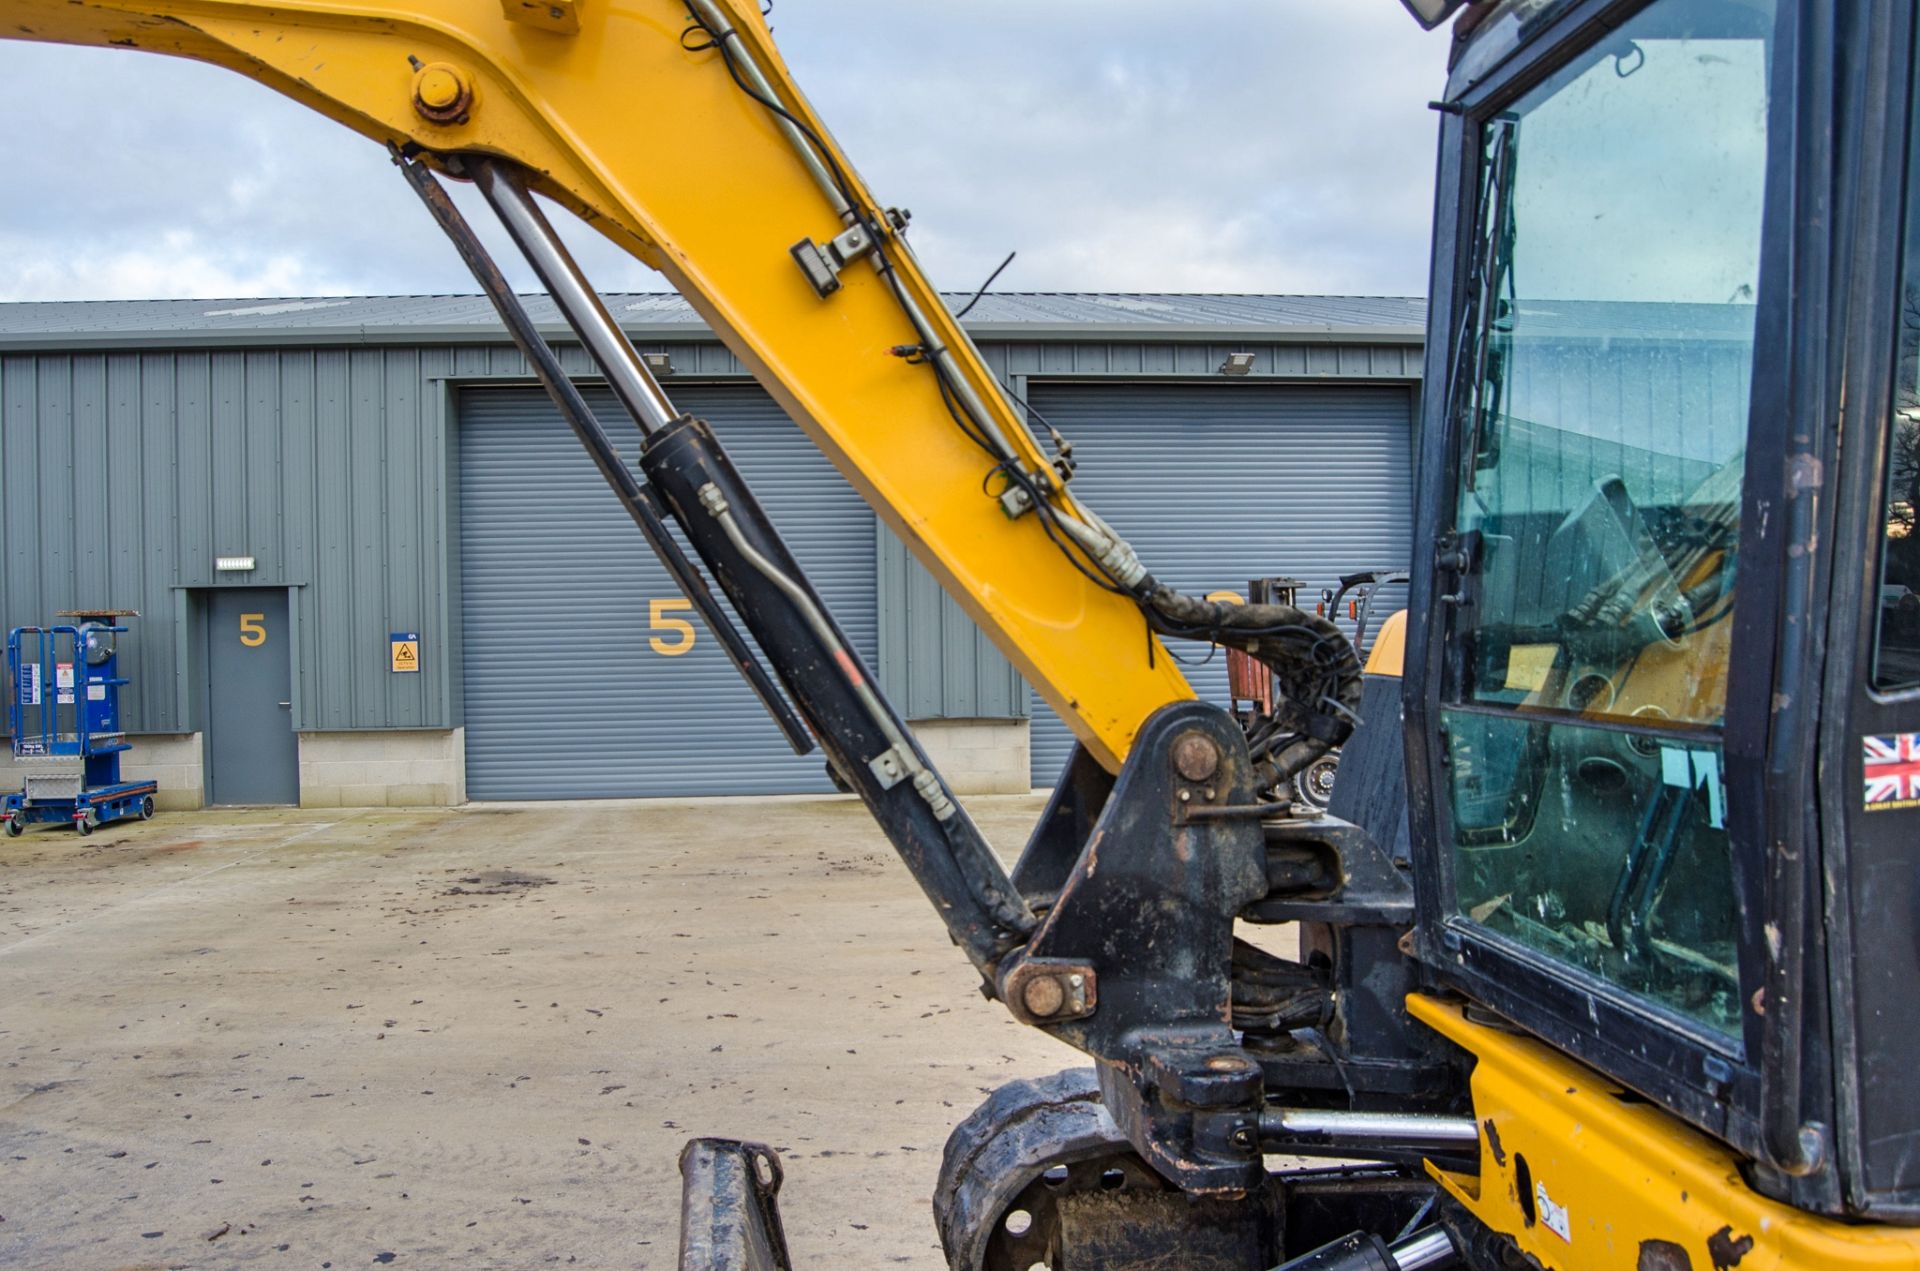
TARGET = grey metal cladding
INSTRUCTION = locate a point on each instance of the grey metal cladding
(126, 473)
(1219, 482)
(935, 663)
(1284, 356)
(567, 696)
(312, 434)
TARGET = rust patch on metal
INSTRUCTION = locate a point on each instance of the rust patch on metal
(1726, 1249)
(1662, 1255)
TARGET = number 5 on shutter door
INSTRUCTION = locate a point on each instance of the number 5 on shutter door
(253, 630)
(659, 619)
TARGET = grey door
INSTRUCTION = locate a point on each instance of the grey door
(252, 752)
(585, 673)
(1218, 483)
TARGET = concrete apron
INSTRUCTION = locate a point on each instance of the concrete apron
(477, 1037)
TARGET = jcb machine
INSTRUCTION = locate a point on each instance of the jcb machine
(1639, 990)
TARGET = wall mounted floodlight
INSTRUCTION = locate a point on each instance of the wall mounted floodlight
(1237, 364)
(661, 364)
(233, 564)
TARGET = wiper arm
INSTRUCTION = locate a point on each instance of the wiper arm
(1492, 264)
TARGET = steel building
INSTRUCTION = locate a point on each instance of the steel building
(374, 568)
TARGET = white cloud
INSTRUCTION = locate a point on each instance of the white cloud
(167, 263)
(1119, 145)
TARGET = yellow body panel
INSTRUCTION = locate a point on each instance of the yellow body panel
(1388, 655)
(1633, 1187)
(656, 147)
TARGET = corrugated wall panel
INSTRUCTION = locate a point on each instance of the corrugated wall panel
(125, 474)
(934, 662)
(567, 695)
(1217, 483)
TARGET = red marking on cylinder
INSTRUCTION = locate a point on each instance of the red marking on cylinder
(848, 665)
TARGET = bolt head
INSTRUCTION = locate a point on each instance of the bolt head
(1196, 757)
(441, 92)
(439, 87)
(1043, 995)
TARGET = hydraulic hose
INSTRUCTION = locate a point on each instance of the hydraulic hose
(1316, 665)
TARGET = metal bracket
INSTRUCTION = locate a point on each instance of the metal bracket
(822, 265)
(889, 767)
(1148, 908)
(1015, 502)
(562, 17)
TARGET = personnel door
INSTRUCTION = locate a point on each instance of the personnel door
(252, 752)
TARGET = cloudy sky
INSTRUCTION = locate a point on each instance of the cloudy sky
(1140, 145)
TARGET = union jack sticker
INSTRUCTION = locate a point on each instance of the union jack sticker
(1892, 771)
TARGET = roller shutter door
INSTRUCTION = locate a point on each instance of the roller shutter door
(1218, 483)
(569, 694)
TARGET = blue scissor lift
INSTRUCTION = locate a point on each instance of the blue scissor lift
(63, 714)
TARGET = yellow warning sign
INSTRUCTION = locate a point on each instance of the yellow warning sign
(405, 649)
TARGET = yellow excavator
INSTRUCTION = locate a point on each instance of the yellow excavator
(1610, 941)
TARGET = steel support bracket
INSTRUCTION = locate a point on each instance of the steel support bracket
(1147, 910)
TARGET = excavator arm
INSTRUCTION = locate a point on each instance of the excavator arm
(676, 131)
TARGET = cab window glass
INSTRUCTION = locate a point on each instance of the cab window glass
(1896, 660)
(1603, 403)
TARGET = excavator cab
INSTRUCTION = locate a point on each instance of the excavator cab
(1664, 738)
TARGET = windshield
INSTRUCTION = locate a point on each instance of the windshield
(1603, 401)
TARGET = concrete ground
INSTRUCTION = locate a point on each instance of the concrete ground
(478, 1037)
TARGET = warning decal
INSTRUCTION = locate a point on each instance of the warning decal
(404, 650)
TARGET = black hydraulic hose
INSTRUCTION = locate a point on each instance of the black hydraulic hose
(1316, 665)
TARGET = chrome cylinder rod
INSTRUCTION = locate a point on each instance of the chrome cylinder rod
(1413, 1128)
(1428, 1249)
(533, 234)
(1424, 1249)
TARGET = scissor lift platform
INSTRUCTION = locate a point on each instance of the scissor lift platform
(63, 716)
